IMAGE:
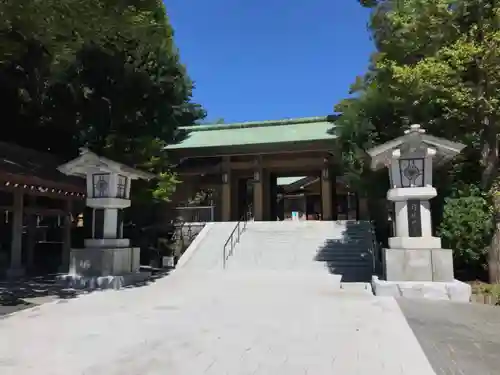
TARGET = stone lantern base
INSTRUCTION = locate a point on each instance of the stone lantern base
(105, 261)
(418, 264)
(455, 291)
(420, 273)
(103, 268)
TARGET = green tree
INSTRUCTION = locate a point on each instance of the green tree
(218, 121)
(437, 63)
(133, 98)
(38, 40)
(103, 74)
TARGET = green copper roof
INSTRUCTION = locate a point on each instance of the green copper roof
(254, 133)
(284, 181)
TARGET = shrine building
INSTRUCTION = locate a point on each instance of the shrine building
(269, 170)
(38, 210)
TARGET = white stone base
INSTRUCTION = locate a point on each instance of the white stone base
(102, 282)
(418, 265)
(97, 262)
(415, 242)
(455, 290)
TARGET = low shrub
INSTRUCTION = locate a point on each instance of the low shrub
(466, 228)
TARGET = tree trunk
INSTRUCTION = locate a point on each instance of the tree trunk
(491, 183)
(494, 250)
(489, 153)
(489, 174)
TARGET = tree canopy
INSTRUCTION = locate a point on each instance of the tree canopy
(100, 73)
(437, 63)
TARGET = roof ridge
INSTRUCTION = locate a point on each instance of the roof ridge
(257, 124)
(28, 150)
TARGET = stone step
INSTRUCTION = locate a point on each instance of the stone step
(299, 244)
(309, 234)
(342, 251)
(349, 260)
(346, 254)
(313, 247)
(356, 287)
(345, 249)
(348, 264)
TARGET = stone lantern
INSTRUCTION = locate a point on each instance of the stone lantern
(415, 264)
(107, 256)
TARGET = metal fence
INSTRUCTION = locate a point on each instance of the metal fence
(196, 214)
(184, 234)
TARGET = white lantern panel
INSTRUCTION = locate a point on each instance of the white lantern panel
(121, 188)
(100, 184)
(412, 172)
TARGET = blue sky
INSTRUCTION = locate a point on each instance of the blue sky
(265, 60)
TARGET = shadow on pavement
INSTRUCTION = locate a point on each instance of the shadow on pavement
(351, 255)
(21, 293)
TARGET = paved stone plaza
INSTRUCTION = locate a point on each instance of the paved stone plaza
(248, 323)
(214, 323)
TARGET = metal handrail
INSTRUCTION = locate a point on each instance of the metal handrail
(239, 228)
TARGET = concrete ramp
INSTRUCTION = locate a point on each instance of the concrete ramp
(206, 251)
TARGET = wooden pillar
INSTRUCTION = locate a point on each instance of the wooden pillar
(333, 179)
(326, 194)
(235, 194)
(31, 242)
(218, 202)
(66, 237)
(272, 191)
(31, 235)
(226, 193)
(304, 206)
(266, 195)
(363, 209)
(16, 251)
(258, 192)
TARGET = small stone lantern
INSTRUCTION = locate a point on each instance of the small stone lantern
(414, 254)
(107, 253)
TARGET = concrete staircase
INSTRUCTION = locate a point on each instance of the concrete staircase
(341, 247)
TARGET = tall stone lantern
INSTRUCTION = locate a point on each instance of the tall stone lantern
(107, 257)
(415, 263)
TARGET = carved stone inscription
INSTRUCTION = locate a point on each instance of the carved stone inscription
(414, 219)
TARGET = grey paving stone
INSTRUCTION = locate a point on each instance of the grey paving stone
(278, 313)
(6, 309)
(458, 338)
(215, 323)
